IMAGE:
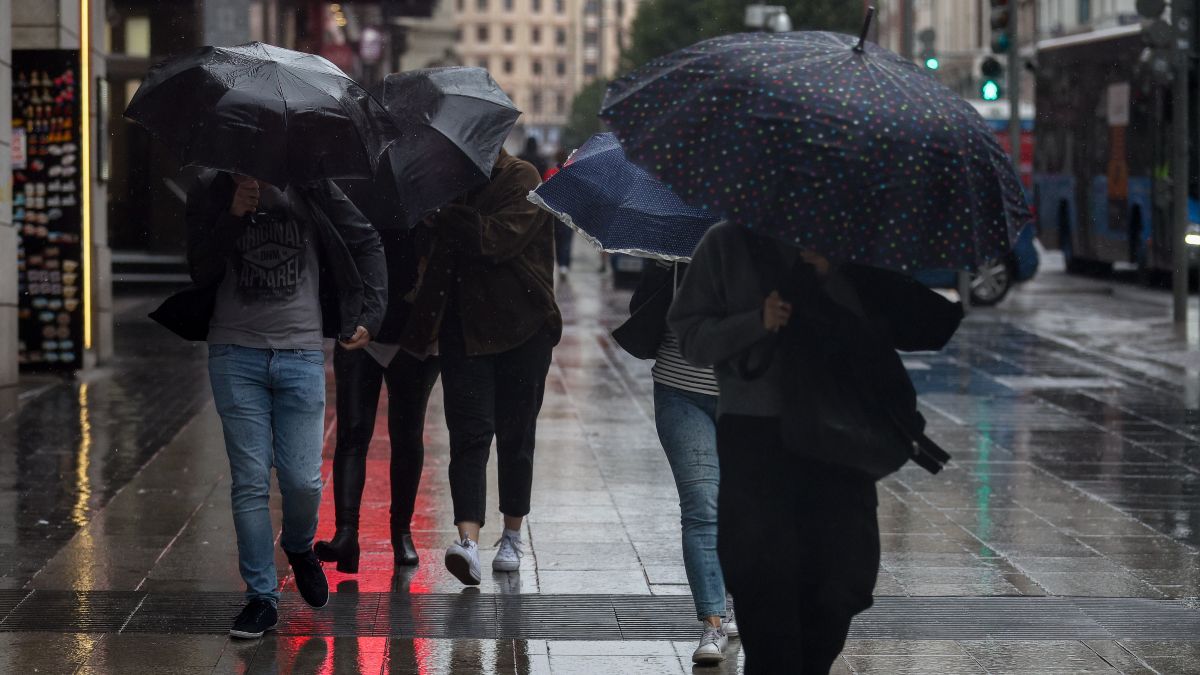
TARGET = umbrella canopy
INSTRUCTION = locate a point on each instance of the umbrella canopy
(851, 152)
(619, 207)
(272, 113)
(452, 124)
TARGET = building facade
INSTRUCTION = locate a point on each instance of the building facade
(542, 52)
(54, 249)
(1057, 18)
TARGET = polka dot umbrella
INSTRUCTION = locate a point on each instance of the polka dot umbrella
(824, 142)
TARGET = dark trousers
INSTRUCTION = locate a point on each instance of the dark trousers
(499, 395)
(358, 379)
(563, 234)
(799, 544)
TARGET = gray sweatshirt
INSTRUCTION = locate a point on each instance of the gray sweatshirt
(717, 315)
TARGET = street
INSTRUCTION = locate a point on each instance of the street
(1063, 537)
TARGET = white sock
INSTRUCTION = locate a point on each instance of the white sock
(512, 534)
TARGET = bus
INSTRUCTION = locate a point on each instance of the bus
(1102, 153)
(996, 114)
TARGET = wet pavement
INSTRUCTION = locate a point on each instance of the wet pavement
(1063, 538)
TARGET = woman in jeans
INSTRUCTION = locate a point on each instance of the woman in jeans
(685, 412)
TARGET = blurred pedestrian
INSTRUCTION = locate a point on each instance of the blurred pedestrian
(359, 375)
(487, 301)
(685, 413)
(533, 154)
(798, 538)
(563, 234)
(277, 270)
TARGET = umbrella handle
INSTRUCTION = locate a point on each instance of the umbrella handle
(862, 37)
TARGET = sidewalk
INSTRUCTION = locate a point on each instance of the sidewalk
(1064, 535)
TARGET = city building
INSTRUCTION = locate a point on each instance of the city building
(542, 52)
(1063, 17)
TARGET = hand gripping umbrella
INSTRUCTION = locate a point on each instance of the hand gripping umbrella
(272, 113)
(842, 148)
(452, 123)
(619, 207)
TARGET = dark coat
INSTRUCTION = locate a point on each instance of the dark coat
(353, 273)
(851, 399)
(494, 250)
(402, 247)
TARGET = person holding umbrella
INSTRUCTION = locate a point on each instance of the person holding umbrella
(487, 301)
(619, 207)
(279, 259)
(454, 121)
(837, 165)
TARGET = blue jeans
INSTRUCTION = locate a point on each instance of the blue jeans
(687, 427)
(272, 407)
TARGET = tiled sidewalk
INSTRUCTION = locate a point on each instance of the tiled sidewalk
(1076, 473)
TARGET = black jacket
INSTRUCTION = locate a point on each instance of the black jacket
(353, 272)
(851, 399)
(643, 331)
(402, 248)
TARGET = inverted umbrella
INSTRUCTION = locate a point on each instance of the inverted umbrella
(848, 150)
(452, 123)
(619, 207)
(272, 113)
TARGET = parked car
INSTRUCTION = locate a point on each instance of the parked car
(992, 282)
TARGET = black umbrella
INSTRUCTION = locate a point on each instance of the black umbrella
(263, 111)
(452, 123)
(825, 143)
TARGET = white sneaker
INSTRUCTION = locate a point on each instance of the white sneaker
(712, 646)
(462, 559)
(729, 623)
(508, 558)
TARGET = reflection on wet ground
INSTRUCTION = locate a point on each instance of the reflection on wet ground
(1073, 414)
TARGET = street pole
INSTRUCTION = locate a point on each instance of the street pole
(1014, 86)
(907, 22)
(1179, 158)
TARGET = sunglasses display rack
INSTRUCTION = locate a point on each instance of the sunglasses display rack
(47, 208)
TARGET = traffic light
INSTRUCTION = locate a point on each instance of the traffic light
(1002, 17)
(992, 71)
(928, 54)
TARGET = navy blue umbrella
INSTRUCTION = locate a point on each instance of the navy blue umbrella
(619, 207)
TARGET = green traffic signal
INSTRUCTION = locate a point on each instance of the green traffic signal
(932, 63)
(990, 91)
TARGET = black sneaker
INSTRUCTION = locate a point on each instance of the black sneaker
(310, 578)
(257, 617)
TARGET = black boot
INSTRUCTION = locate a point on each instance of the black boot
(403, 550)
(349, 476)
(343, 550)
